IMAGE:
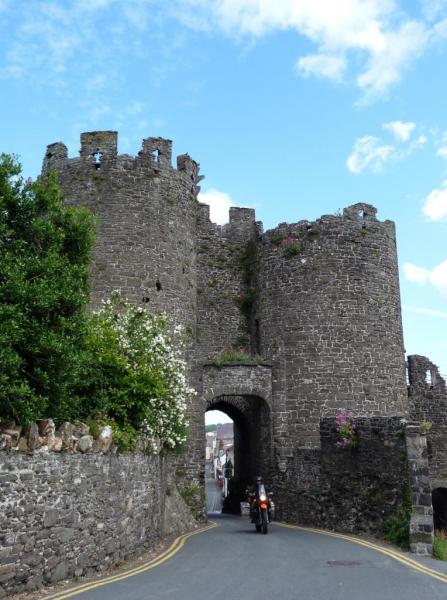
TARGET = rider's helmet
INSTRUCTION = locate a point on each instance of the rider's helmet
(259, 480)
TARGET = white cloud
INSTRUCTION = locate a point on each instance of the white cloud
(416, 274)
(400, 129)
(379, 37)
(442, 152)
(435, 205)
(219, 203)
(371, 152)
(436, 276)
(387, 64)
(368, 152)
(324, 65)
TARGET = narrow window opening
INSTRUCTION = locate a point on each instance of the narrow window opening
(428, 377)
(155, 155)
(158, 286)
(362, 217)
(407, 375)
(257, 337)
(145, 299)
(97, 157)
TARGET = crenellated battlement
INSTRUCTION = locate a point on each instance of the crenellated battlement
(99, 152)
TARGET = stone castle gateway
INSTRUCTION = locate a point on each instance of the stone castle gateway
(316, 304)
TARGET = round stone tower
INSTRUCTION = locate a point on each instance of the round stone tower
(329, 316)
(146, 215)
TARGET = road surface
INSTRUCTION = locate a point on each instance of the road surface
(232, 561)
(213, 496)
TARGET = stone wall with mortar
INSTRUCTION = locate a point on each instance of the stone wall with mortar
(427, 393)
(67, 515)
(347, 489)
(326, 317)
(334, 308)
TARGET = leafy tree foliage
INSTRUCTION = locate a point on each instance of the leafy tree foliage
(44, 253)
(135, 374)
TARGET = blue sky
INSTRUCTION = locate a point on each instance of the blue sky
(294, 107)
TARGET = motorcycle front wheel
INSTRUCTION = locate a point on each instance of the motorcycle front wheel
(265, 520)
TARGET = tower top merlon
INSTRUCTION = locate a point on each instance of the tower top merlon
(55, 157)
(99, 145)
(191, 168)
(242, 215)
(156, 152)
(360, 212)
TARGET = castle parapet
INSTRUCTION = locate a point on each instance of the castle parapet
(55, 157)
(365, 213)
(191, 168)
(242, 215)
(99, 146)
(156, 152)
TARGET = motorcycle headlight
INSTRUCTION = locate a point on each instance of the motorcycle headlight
(262, 497)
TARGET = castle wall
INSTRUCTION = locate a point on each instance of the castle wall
(222, 287)
(345, 489)
(319, 301)
(428, 402)
(333, 308)
(146, 216)
(65, 516)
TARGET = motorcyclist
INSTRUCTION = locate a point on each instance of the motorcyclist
(253, 493)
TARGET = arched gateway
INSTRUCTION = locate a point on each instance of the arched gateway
(243, 392)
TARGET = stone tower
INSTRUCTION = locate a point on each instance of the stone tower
(316, 305)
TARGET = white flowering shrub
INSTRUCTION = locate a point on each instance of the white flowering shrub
(137, 374)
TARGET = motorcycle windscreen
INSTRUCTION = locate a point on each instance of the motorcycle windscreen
(261, 492)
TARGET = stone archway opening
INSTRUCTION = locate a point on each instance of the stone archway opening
(439, 502)
(251, 451)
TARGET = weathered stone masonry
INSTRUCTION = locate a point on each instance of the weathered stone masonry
(64, 515)
(319, 301)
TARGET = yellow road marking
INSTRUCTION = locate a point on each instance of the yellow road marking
(155, 562)
(409, 562)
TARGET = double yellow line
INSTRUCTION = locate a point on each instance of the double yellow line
(175, 547)
(409, 562)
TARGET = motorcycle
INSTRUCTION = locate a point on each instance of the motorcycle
(262, 509)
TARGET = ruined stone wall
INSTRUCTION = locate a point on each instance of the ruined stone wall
(64, 516)
(427, 394)
(346, 489)
(330, 314)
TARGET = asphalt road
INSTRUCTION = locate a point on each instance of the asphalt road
(233, 561)
(213, 496)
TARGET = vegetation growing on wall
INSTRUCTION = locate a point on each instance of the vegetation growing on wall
(440, 546)
(248, 261)
(235, 355)
(397, 527)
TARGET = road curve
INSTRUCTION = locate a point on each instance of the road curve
(232, 561)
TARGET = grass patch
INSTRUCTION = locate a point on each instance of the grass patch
(232, 355)
(397, 527)
(440, 545)
(291, 249)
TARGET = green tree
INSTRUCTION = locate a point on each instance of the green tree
(134, 374)
(44, 253)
